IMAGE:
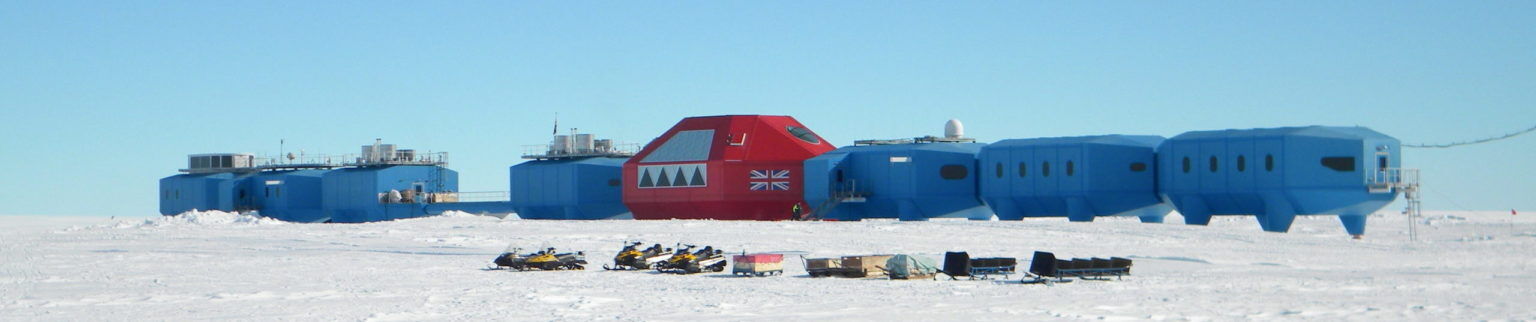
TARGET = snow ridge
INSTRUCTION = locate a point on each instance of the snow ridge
(202, 218)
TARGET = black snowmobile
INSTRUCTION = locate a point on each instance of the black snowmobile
(686, 261)
(547, 259)
(634, 258)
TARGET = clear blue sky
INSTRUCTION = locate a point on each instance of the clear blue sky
(100, 99)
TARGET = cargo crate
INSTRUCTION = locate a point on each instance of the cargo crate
(758, 264)
(864, 265)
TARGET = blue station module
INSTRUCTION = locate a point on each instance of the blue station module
(909, 179)
(1074, 177)
(207, 183)
(382, 184)
(576, 177)
(202, 191)
(284, 194)
(384, 192)
(1278, 173)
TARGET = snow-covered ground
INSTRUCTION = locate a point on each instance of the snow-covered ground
(1468, 266)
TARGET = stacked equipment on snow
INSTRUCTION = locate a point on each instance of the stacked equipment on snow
(907, 267)
(758, 264)
(864, 265)
(818, 267)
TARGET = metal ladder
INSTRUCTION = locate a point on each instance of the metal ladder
(1390, 180)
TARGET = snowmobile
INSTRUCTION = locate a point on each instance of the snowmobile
(547, 259)
(686, 261)
(634, 258)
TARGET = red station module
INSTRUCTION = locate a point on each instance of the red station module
(731, 167)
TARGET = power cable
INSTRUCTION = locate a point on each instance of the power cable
(1484, 140)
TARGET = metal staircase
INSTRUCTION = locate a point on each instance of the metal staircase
(848, 193)
(1391, 180)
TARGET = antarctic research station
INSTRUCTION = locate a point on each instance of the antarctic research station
(764, 167)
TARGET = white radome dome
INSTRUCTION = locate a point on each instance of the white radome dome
(953, 129)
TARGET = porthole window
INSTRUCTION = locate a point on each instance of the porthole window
(955, 171)
(1045, 169)
(1070, 169)
(1213, 164)
(1269, 162)
(1023, 169)
(1138, 167)
(1186, 164)
(1241, 163)
(1340, 164)
(999, 169)
(803, 134)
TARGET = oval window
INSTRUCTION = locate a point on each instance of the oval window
(803, 134)
(613, 182)
(1070, 169)
(1213, 164)
(1269, 162)
(1138, 167)
(1242, 164)
(1045, 169)
(999, 169)
(1023, 170)
(955, 171)
(1186, 164)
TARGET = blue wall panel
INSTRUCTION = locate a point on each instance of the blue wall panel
(185, 192)
(587, 188)
(288, 195)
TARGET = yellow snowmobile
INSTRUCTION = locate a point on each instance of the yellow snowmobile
(685, 261)
(634, 258)
(547, 260)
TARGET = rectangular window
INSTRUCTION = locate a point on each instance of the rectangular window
(683, 146)
(1340, 164)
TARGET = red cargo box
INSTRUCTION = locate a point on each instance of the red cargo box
(758, 258)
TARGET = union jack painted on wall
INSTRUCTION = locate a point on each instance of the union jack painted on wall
(769, 174)
(773, 177)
